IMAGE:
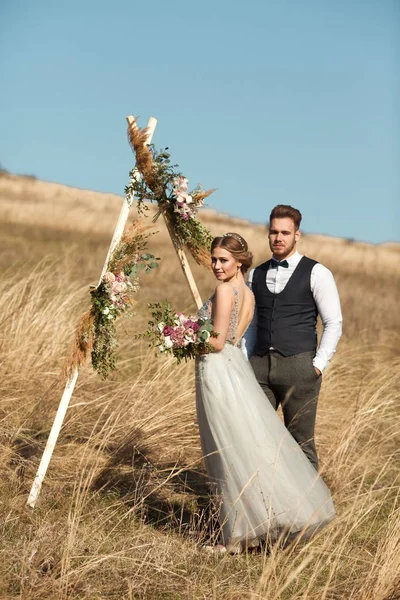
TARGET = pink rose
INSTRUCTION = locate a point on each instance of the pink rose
(109, 277)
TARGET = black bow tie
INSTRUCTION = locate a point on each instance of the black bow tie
(276, 263)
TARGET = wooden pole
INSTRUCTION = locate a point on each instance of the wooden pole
(180, 253)
(187, 271)
(72, 377)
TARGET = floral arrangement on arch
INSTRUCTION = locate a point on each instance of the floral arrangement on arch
(113, 297)
(163, 184)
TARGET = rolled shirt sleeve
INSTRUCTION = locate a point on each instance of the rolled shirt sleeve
(327, 299)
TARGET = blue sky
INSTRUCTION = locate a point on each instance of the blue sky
(270, 101)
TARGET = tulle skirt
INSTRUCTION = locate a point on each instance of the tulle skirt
(265, 485)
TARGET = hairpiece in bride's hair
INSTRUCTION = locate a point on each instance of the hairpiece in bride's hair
(236, 237)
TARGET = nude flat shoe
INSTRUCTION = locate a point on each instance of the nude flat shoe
(234, 549)
(217, 549)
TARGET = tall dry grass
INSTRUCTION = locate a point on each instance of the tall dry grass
(124, 508)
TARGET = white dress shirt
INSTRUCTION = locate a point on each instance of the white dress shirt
(326, 298)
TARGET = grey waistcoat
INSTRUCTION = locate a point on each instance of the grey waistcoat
(286, 321)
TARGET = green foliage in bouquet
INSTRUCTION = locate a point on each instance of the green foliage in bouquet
(184, 337)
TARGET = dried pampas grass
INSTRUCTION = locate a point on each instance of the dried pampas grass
(82, 344)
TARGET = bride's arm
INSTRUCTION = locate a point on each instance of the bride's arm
(222, 306)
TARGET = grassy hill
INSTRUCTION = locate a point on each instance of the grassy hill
(124, 508)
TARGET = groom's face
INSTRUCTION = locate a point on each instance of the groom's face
(283, 236)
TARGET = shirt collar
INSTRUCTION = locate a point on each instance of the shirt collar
(294, 259)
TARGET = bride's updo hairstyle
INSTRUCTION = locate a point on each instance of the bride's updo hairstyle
(237, 246)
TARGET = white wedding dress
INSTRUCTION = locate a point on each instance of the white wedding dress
(266, 486)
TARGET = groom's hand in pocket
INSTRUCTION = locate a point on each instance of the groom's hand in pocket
(318, 372)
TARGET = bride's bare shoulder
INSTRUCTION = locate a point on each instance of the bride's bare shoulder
(223, 291)
(224, 288)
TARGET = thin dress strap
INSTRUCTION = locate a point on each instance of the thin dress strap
(205, 312)
(234, 319)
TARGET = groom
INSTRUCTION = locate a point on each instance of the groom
(290, 291)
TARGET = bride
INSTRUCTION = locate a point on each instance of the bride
(266, 487)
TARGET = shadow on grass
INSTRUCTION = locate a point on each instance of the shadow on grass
(167, 496)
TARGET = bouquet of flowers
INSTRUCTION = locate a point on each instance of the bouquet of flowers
(175, 333)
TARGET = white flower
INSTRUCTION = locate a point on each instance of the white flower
(106, 311)
(168, 342)
(189, 199)
(161, 348)
(160, 326)
(181, 183)
(207, 336)
(109, 317)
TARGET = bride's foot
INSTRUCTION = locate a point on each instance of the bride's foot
(234, 548)
(231, 548)
(217, 549)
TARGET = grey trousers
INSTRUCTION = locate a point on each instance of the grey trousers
(292, 382)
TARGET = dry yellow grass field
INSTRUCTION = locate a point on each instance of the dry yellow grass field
(124, 510)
